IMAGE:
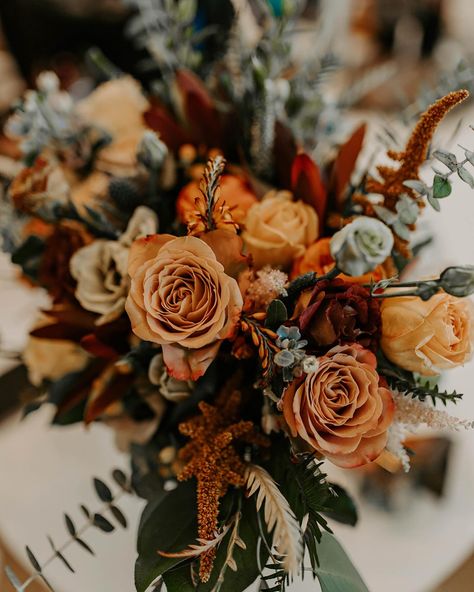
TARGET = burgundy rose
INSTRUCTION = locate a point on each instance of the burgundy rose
(339, 312)
(67, 238)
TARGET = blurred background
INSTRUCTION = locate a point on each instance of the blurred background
(416, 532)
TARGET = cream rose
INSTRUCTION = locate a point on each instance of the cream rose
(100, 268)
(427, 336)
(341, 410)
(278, 229)
(182, 298)
(361, 246)
(51, 359)
(117, 106)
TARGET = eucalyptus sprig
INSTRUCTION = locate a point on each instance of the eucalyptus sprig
(441, 186)
(93, 519)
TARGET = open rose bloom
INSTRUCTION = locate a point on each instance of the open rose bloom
(182, 298)
(341, 410)
(234, 310)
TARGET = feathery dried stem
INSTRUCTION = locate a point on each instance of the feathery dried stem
(211, 457)
(279, 517)
(211, 212)
(414, 155)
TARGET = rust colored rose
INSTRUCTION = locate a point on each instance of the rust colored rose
(182, 297)
(318, 258)
(39, 184)
(341, 410)
(278, 229)
(428, 336)
(234, 192)
(337, 312)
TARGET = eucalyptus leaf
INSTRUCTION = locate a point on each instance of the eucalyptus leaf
(70, 525)
(85, 511)
(434, 203)
(34, 562)
(469, 155)
(441, 187)
(103, 491)
(385, 214)
(84, 545)
(417, 185)
(118, 515)
(402, 230)
(102, 523)
(122, 480)
(466, 176)
(447, 158)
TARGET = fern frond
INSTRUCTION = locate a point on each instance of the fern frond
(278, 515)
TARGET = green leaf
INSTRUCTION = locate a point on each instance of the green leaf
(179, 579)
(466, 176)
(441, 187)
(341, 507)
(336, 572)
(168, 523)
(102, 490)
(102, 523)
(276, 314)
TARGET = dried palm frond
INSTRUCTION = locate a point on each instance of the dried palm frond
(203, 546)
(234, 541)
(279, 517)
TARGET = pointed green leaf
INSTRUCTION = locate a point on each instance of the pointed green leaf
(276, 314)
(336, 573)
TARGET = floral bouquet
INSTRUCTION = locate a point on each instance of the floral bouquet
(230, 307)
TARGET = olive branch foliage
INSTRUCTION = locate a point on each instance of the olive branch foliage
(95, 519)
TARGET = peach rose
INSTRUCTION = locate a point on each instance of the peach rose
(278, 229)
(428, 336)
(341, 410)
(182, 297)
(234, 191)
(318, 258)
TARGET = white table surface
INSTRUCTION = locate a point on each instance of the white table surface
(46, 471)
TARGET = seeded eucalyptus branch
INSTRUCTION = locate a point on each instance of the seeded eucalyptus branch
(457, 281)
(96, 519)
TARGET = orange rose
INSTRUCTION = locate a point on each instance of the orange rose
(234, 191)
(428, 336)
(341, 410)
(182, 298)
(318, 258)
(278, 229)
